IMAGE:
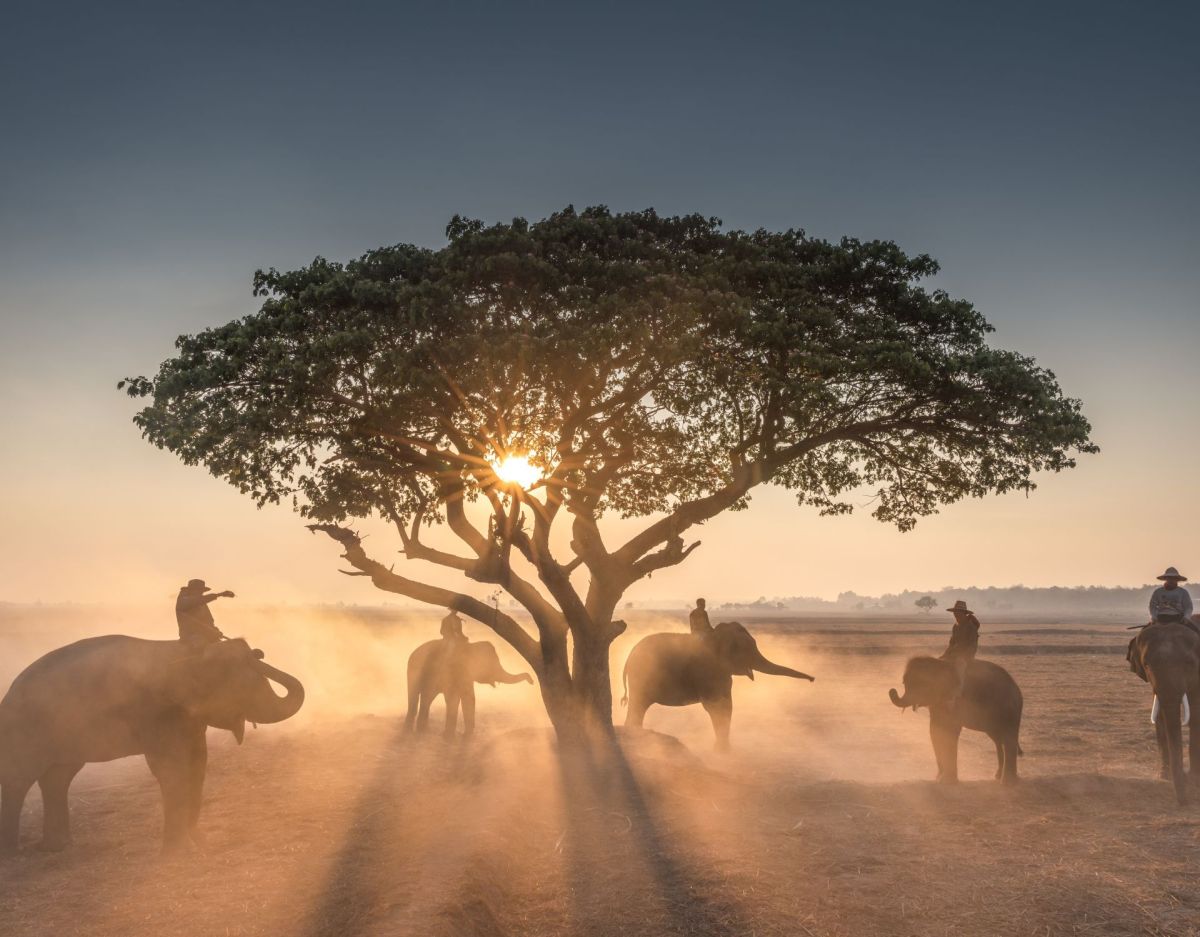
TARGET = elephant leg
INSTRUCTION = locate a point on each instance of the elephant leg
(1164, 753)
(1193, 696)
(1169, 713)
(452, 701)
(56, 821)
(468, 710)
(426, 700)
(635, 715)
(720, 711)
(1012, 748)
(12, 799)
(999, 756)
(414, 699)
(171, 766)
(198, 768)
(944, 736)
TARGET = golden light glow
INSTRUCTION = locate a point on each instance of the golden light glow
(517, 470)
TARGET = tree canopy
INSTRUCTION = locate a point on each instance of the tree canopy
(648, 366)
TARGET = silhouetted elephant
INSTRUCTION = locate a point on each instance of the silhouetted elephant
(990, 702)
(452, 668)
(681, 669)
(1167, 656)
(105, 698)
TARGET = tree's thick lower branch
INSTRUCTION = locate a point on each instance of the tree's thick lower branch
(383, 578)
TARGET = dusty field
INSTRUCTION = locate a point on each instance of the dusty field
(823, 821)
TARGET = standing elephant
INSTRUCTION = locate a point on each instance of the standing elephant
(681, 669)
(452, 668)
(1167, 656)
(105, 698)
(990, 702)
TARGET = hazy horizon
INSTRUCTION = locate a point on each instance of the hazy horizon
(154, 159)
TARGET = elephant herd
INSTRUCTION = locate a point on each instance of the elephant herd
(108, 697)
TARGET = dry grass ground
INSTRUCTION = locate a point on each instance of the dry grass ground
(822, 822)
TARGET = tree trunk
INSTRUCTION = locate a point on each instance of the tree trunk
(580, 703)
(590, 678)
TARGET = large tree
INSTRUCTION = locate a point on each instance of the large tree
(645, 366)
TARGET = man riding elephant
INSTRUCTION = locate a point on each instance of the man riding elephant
(194, 617)
(1170, 602)
(964, 641)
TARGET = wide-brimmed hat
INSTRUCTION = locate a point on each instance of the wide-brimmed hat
(1172, 573)
(197, 585)
(959, 606)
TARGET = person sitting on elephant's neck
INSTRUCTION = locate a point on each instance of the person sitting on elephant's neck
(698, 619)
(1171, 603)
(964, 642)
(964, 636)
(194, 617)
(452, 628)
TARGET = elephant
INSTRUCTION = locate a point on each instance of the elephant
(681, 669)
(108, 697)
(1167, 656)
(990, 702)
(452, 668)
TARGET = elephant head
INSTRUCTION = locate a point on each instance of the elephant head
(484, 666)
(228, 684)
(928, 681)
(736, 647)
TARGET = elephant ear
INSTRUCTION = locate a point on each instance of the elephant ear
(732, 643)
(483, 662)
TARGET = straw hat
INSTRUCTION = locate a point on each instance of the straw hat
(1172, 573)
(960, 606)
(197, 585)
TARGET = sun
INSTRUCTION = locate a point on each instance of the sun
(517, 470)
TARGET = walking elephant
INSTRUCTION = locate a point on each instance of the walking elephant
(452, 668)
(108, 697)
(990, 702)
(681, 669)
(1167, 656)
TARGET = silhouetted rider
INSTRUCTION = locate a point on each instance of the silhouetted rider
(193, 615)
(964, 642)
(452, 628)
(698, 619)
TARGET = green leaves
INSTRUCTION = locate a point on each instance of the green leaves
(641, 361)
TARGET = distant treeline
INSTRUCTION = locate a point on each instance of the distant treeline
(1124, 600)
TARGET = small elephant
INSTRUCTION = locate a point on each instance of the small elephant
(108, 697)
(452, 668)
(990, 702)
(1167, 656)
(681, 669)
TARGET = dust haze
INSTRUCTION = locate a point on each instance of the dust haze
(823, 818)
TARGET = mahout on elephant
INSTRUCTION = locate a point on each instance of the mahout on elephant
(682, 669)
(451, 668)
(1166, 654)
(982, 696)
(108, 697)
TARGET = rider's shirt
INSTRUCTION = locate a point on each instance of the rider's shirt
(195, 618)
(1169, 603)
(698, 621)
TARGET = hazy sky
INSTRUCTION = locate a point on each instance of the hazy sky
(153, 155)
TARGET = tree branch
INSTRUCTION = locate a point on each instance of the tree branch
(504, 626)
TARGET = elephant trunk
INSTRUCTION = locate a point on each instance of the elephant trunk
(762, 665)
(271, 708)
(506, 677)
(898, 700)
